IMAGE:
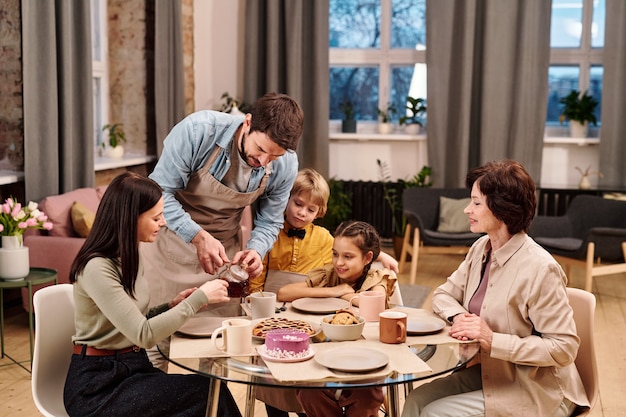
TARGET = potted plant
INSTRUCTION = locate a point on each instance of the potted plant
(348, 124)
(416, 107)
(579, 111)
(339, 206)
(393, 197)
(385, 116)
(232, 105)
(113, 145)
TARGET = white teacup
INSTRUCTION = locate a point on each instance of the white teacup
(262, 304)
(371, 304)
(236, 336)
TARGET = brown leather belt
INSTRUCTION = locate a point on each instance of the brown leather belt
(92, 351)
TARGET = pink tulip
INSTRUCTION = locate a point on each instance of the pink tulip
(47, 225)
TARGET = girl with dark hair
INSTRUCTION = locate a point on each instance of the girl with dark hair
(110, 374)
(355, 246)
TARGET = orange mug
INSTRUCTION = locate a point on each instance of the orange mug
(392, 326)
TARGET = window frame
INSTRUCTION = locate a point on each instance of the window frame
(384, 58)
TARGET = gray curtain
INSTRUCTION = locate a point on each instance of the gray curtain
(169, 89)
(487, 84)
(286, 51)
(613, 132)
(58, 109)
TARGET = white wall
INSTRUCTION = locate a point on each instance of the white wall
(218, 55)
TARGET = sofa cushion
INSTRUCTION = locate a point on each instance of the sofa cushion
(82, 219)
(451, 216)
(58, 209)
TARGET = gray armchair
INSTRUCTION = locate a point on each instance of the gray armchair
(593, 230)
(421, 206)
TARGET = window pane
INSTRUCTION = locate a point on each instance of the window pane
(597, 27)
(357, 84)
(408, 24)
(407, 81)
(561, 81)
(566, 26)
(595, 88)
(354, 24)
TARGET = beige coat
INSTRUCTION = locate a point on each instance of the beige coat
(531, 365)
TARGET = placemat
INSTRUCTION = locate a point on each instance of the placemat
(401, 359)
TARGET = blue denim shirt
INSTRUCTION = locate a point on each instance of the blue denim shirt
(187, 148)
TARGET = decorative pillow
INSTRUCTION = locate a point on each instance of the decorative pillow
(451, 216)
(82, 219)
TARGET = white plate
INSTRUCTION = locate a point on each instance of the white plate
(352, 359)
(202, 326)
(317, 327)
(424, 325)
(265, 356)
(319, 305)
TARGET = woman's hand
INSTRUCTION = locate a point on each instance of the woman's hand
(468, 326)
(216, 291)
(181, 296)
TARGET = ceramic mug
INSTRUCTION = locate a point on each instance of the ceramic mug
(371, 304)
(236, 336)
(392, 326)
(262, 304)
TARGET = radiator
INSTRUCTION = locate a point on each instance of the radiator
(369, 205)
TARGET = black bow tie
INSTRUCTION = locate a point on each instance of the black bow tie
(296, 232)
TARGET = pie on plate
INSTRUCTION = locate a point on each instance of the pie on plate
(261, 328)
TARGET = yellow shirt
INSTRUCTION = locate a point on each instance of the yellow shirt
(297, 255)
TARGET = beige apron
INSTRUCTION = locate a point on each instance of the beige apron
(171, 264)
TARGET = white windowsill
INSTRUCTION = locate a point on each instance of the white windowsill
(102, 163)
(10, 177)
(566, 140)
(368, 136)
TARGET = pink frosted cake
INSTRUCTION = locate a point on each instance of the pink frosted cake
(287, 344)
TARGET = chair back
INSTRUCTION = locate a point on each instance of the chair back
(424, 203)
(54, 324)
(583, 304)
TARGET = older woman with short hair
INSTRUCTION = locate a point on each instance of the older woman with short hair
(508, 295)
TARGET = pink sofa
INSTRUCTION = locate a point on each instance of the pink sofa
(58, 247)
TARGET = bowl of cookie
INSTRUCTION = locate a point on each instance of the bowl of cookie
(343, 325)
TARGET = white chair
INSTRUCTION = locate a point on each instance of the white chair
(584, 305)
(54, 327)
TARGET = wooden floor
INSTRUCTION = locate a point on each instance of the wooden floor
(610, 338)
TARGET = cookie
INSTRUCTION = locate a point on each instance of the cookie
(342, 317)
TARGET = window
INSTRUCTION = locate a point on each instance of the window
(99, 68)
(377, 55)
(576, 41)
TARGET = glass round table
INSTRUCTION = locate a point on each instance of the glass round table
(252, 371)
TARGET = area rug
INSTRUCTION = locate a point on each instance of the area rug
(414, 295)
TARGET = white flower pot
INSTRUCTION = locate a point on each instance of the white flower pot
(577, 129)
(116, 152)
(412, 129)
(14, 261)
(385, 128)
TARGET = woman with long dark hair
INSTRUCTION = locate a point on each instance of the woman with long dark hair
(110, 374)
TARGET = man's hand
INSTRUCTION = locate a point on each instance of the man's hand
(250, 260)
(211, 253)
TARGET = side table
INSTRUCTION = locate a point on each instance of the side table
(36, 276)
